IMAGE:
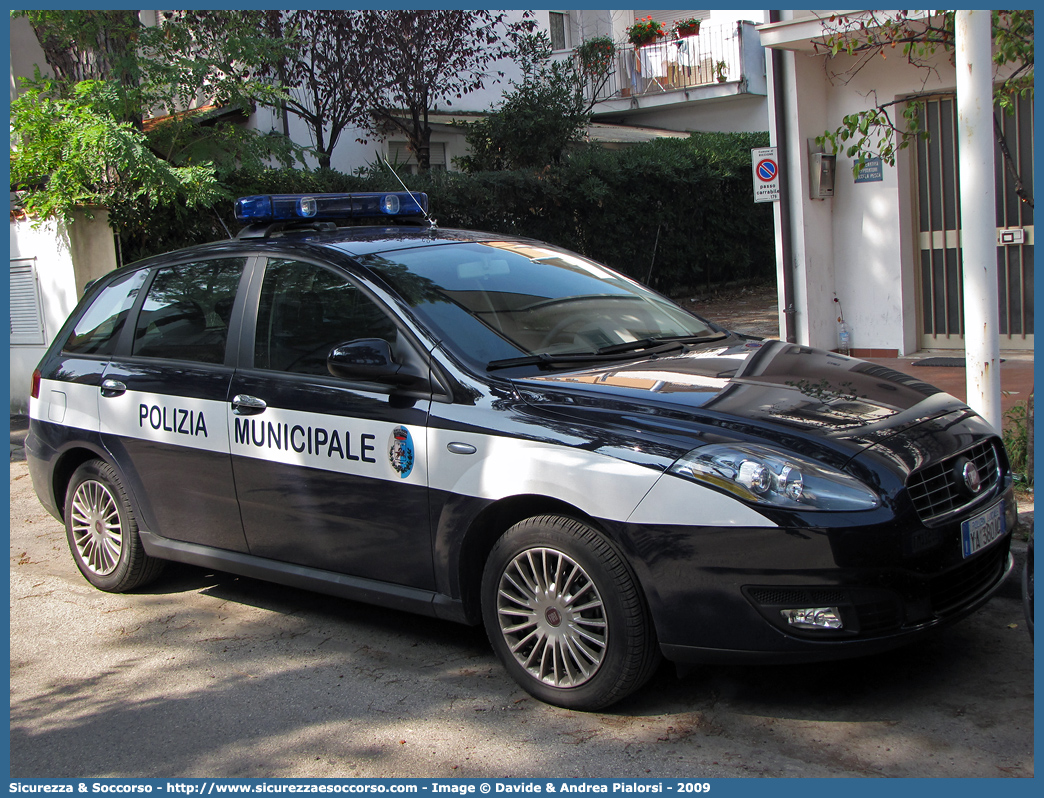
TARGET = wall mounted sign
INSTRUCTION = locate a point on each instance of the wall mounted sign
(765, 164)
(872, 171)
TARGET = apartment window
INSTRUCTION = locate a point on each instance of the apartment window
(558, 30)
(400, 155)
(27, 319)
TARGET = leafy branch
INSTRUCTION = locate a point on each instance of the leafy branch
(918, 37)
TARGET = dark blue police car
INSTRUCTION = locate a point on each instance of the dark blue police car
(493, 430)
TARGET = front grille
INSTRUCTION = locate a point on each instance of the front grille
(936, 490)
(961, 585)
(879, 616)
(798, 597)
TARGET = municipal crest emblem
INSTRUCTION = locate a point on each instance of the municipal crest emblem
(400, 451)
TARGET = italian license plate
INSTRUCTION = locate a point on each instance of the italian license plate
(979, 532)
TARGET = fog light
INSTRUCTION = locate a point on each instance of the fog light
(814, 618)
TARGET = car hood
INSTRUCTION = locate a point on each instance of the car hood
(804, 398)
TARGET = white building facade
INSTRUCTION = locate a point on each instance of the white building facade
(887, 243)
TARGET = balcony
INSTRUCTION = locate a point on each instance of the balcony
(721, 61)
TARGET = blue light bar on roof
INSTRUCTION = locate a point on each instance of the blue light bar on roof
(266, 208)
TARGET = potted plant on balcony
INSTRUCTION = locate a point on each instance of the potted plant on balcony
(684, 28)
(721, 71)
(596, 56)
(645, 31)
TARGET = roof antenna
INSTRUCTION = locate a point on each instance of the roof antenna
(432, 223)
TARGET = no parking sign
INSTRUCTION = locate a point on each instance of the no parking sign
(766, 174)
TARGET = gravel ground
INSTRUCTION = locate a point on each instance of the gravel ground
(206, 674)
(751, 310)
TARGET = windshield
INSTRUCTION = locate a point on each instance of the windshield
(505, 299)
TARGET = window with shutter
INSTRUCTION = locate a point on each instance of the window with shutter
(27, 319)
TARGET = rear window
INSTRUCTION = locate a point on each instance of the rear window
(187, 310)
(98, 329)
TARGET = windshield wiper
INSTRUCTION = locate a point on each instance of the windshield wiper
(543, 359)
(624, 351)
(660, 344)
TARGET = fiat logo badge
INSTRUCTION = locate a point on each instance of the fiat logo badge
(554, 617)
(968, 476)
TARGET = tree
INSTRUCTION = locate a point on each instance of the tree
(324, 72)
(545, 113)
(425, 58)
(887, 127)
(79, 136)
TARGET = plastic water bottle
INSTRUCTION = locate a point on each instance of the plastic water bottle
(844, 338)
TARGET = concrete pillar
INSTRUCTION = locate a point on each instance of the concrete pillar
(978, 212)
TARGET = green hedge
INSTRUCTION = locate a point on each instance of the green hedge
(691, 200)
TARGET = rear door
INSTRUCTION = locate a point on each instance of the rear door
(330, 473)
(163, 402)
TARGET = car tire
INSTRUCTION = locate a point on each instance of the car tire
(565, 615)
(103, 532)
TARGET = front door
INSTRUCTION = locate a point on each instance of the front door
(330, 474)
(941, 278)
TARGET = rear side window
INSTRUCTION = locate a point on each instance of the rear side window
(98, 329)
(187, 311)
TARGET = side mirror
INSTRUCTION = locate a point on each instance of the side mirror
(369, 359)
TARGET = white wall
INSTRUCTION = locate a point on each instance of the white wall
(874, 238)
(67, 257)
(812, 220)
(861, 243)
(49, 244)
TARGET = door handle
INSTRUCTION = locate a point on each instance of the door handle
(243, 405)
(110, 388)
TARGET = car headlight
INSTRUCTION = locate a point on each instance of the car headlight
(764, 475)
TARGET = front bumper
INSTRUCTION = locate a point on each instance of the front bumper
(716, 594)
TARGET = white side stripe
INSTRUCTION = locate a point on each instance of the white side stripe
(597, 483)
(174, 420)
(67, 403)
(674, 500)
(357, 446)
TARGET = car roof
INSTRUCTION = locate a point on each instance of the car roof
(350, 241)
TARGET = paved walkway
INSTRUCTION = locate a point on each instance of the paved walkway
(1016, 375)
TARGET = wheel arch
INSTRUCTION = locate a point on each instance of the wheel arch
(65, 466)
(487, 527)
(68, 460)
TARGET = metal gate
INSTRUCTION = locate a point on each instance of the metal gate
(941, 283)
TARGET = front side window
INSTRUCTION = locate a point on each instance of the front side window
(97, 330)
(305, 311)
(187, 311)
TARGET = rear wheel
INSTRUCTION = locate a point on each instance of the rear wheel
(565, 615)
(103, 533)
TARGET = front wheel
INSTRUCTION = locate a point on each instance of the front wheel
(564, 613)
(103, 533)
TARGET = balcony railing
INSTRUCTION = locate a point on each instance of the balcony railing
(713, 56)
